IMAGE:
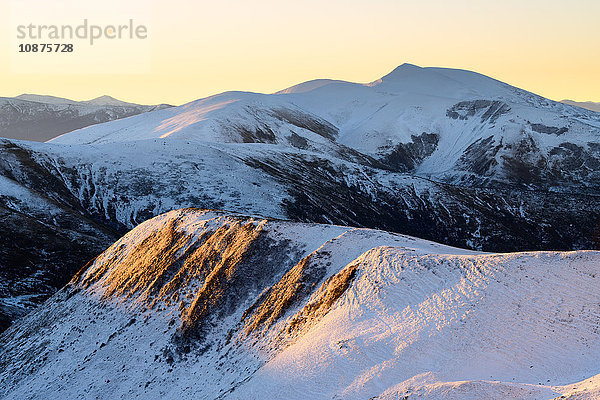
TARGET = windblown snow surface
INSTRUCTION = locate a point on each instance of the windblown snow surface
(211, 305)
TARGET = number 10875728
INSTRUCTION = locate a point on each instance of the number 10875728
(46, 48)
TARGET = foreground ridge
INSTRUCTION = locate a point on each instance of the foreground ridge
(255, 308)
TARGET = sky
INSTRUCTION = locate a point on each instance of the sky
(197, 48)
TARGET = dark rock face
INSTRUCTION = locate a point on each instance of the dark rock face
(298, 141)
(308, 122)
(38, 257)
(550, 130)
(43, 241)
(17, 164)
(524, 163)
(480, 157)
(258, 131)
(262, 134)
(569, 161)
(567, 167)
(490, 110)
(405, 157)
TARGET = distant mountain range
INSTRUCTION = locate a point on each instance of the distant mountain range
(41, 118)
(588, 105)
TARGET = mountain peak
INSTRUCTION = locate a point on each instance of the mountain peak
(405, 67)
(104, 98)
(402, 70)
(427, 81)
(107, 101)
(400, 73)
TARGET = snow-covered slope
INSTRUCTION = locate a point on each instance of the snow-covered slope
(41, 118)
(206, 304)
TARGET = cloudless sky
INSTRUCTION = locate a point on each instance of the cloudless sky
(199, 48)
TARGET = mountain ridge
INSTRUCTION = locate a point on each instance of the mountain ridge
(588, 105)
(326, 301)
(41, 118)
(103, 100)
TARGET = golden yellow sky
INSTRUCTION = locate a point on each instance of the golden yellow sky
(199, 48)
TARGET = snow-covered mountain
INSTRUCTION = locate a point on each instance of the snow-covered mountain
(206, 304)
(446, 155)
(41, 118)
(443, 124)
